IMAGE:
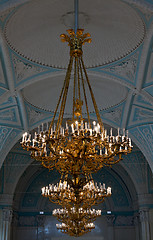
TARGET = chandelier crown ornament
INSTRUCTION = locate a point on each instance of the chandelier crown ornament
(75, 41)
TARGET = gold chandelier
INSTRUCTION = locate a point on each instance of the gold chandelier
(75, 228)
(81, 147)
(76, 221)
(76, 195)
(82, 193)
(76, 148)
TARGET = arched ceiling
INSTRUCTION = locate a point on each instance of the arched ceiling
(119, 62)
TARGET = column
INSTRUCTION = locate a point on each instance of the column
(6, 223)
(151, 222)
(40, 219)
(1, 222)
(145, 228)
(137, 226)
(110, 228)
(14, 225)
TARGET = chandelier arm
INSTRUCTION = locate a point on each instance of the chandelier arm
(68, 76)
(52, 201)
(68, 153)
(74, 88)
(111, 163)
(84, 92)
(47, 166)
(93, 98)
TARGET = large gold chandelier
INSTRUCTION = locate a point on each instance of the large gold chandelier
(78, 147)
(81, 147)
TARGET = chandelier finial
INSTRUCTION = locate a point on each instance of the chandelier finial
(75, 41)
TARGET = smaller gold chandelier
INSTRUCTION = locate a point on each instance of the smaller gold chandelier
(76, 213)
(80, 194)
(76, 221)
(75, 229)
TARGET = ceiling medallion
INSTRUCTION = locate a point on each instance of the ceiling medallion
(113, 32)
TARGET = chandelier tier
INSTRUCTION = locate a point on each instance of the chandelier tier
(78, 214)
(76, 221)
(74, 228)
(75, 193)
(81, 147)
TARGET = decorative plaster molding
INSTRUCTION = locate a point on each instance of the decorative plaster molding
(143, 137)
(27, 221)
(5, 14)
(36, 115)
(147, 132)
(124, 221)
(40, 220)
(114, 115)
(140, 115)
(4, 133)
(2, 78)
(142, 101)
(149, 68)
(24, 70)
(10, 139)
(146, 10)
(10, 116)
(7, 215)
(141, 3)
(144, 215)
(110, 220)
(136, 219)
(126, 69)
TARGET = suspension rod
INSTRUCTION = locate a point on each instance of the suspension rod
(76, 7)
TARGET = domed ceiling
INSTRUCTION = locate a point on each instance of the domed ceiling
(33, 31)
(119, 60)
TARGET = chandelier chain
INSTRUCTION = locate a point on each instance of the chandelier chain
(58, 103)
(84, 92)
(93, 98)
(63, 103)
(74, 89)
